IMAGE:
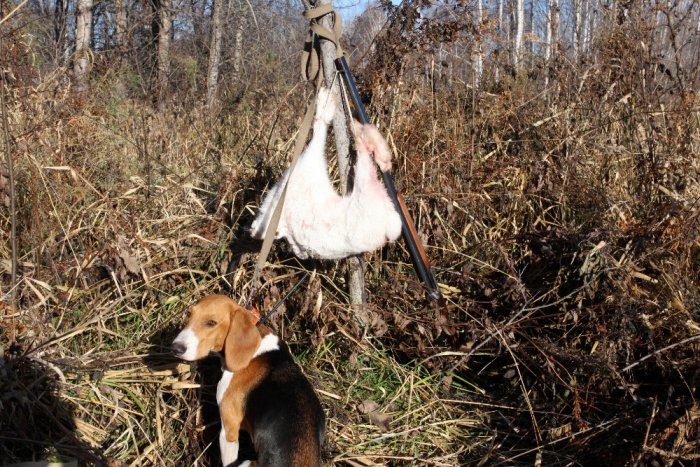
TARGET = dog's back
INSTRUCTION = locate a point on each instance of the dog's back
(284, 415)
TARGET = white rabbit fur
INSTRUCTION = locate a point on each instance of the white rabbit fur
(315, 219)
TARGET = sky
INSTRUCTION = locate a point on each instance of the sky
(349, 9)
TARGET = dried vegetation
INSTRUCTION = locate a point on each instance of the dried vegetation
(562, 224)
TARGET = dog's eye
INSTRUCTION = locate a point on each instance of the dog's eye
(210, 323)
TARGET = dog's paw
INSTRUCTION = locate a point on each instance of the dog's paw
(229, 449)
(326, 105)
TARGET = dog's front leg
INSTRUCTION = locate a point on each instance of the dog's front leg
(231, 417)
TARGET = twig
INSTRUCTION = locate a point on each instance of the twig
(646, 435)
(663, 349)
(16, 9)
(601, 426)
(672, 455)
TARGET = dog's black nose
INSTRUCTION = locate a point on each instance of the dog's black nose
(178, 348)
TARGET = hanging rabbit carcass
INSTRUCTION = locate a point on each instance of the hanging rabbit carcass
(317, 221)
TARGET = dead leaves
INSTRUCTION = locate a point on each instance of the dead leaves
(442, 321)
(125, 257)
(680, 440)
(370, 410)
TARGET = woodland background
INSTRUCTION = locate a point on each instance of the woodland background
(547, 149)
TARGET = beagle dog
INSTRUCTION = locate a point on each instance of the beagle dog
(261, 391)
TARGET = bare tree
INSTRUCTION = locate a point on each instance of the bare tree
(238, 41)
(585, 27)
(214, 54)
(83, 36)
(478, 59)
(519, 26)
(165, 24)
(364, 31)
(120, 13)
(550, 50)
(592, 10)
(497, 74)
(533, 29)
(578, 26)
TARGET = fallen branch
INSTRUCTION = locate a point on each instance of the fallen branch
(663, 349)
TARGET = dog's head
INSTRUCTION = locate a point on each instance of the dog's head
(218, 324)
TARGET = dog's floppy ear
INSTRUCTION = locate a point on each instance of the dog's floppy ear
(242, 340)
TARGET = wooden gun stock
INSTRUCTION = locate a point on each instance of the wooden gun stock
(412, 229)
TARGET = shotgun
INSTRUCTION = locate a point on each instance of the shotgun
(420, 260)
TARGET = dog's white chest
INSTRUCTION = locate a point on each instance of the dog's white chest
(223, 385)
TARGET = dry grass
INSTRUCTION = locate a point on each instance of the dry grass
(565, 237)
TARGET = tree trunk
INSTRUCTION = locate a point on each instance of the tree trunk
(585, 26)
(165, 24)
(238, 44)
(519, 26)
(552, 37)
(578, 13)
(497, 73)
(533, 30)
(214, 55)
(592, 22)
(478, 57)
(355, 264)
(120, 13)
(83, 36)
